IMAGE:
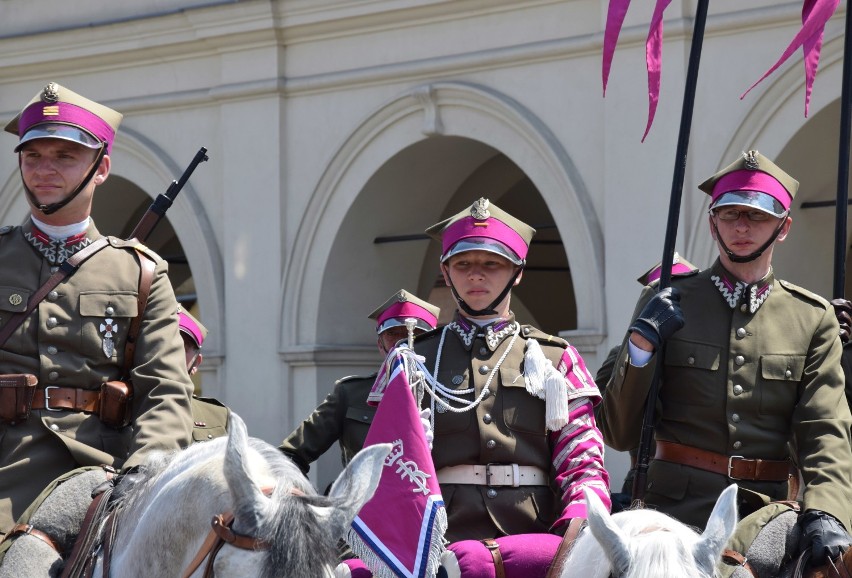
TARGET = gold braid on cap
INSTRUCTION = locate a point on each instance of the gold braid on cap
(479, 210)
(50, 94)
(751, 162)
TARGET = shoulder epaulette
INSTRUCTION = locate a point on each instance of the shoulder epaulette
(6, 229)
(354, 377)
(530, 332)
(682, 275)
(793, 288)
(134, 245)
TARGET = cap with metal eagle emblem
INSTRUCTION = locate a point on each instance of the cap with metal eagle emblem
(401, 306)
(755, 181)
(57, 112)
(483, 227)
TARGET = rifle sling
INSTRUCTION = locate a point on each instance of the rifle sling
(66, 269)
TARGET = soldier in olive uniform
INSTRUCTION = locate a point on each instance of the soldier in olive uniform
(74, 341)
(210, 416)
(515, 439)
(680, 266)
(751, 363)
(344, 415)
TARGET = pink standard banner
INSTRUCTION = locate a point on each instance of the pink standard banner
(399, 532)
(815, 16)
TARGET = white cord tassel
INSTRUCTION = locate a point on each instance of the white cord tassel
(545, 382)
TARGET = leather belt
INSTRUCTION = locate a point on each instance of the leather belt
(55, 398)
(494, 475)
(733, 467)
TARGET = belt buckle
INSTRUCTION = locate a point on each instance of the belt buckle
(47, 398)
(731, 466)
(488, 473)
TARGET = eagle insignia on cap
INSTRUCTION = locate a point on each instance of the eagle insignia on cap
(750, 160)
(479, 210)
(401, 297)
(50, 94)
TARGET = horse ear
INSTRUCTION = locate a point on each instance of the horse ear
(354, 487)
(720, 526)
(249, 502)
(607, 533)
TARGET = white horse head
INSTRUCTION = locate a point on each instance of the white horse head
(163, 524)
(645, 543)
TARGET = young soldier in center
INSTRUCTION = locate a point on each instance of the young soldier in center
(515, 439)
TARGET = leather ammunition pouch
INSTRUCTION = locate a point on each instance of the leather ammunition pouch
(16, 396)
(115, 406)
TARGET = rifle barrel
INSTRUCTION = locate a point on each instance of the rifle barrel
(161, 204)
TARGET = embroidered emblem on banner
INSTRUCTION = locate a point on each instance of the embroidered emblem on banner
(408, 469)
(108, 328)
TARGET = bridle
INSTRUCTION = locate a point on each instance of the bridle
(221, 533)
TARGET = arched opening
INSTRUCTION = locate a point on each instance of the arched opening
(118, 207)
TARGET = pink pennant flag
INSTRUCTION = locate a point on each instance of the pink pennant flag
(653, 50)
(399, 532)
(654, 61)
(815, 15)
(614, 19)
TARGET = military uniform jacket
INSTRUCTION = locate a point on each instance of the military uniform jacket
(508, 427)
(755, 367)
(343, 416)
(63, 343)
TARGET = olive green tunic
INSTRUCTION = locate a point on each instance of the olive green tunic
(62, 343)
(343, 416)
(754, 367)
(508, 427)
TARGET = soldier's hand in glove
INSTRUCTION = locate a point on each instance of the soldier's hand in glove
(843, 312)
(824, 535)
(426, 422)
(660, 318)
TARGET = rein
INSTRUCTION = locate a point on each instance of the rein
(221, 533)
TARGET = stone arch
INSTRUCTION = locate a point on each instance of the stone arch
(461, 113)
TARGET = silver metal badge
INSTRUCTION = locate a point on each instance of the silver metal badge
(479, 210)
(751, 162)
(50, 94)
(108, 328)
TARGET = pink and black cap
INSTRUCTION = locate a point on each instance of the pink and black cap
(483, 227)
(754, 181)
(191, 327)
(57, 112)
(401, 306)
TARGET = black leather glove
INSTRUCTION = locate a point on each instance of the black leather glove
(824, 535)
(843, 312)
(660, 318)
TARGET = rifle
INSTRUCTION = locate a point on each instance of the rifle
(161, 204)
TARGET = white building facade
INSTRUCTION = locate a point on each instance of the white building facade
(338, 130)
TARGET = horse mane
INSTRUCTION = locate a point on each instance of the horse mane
(196, 474)
(292, 553)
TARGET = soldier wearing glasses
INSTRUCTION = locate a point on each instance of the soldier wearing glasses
(751, 363)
